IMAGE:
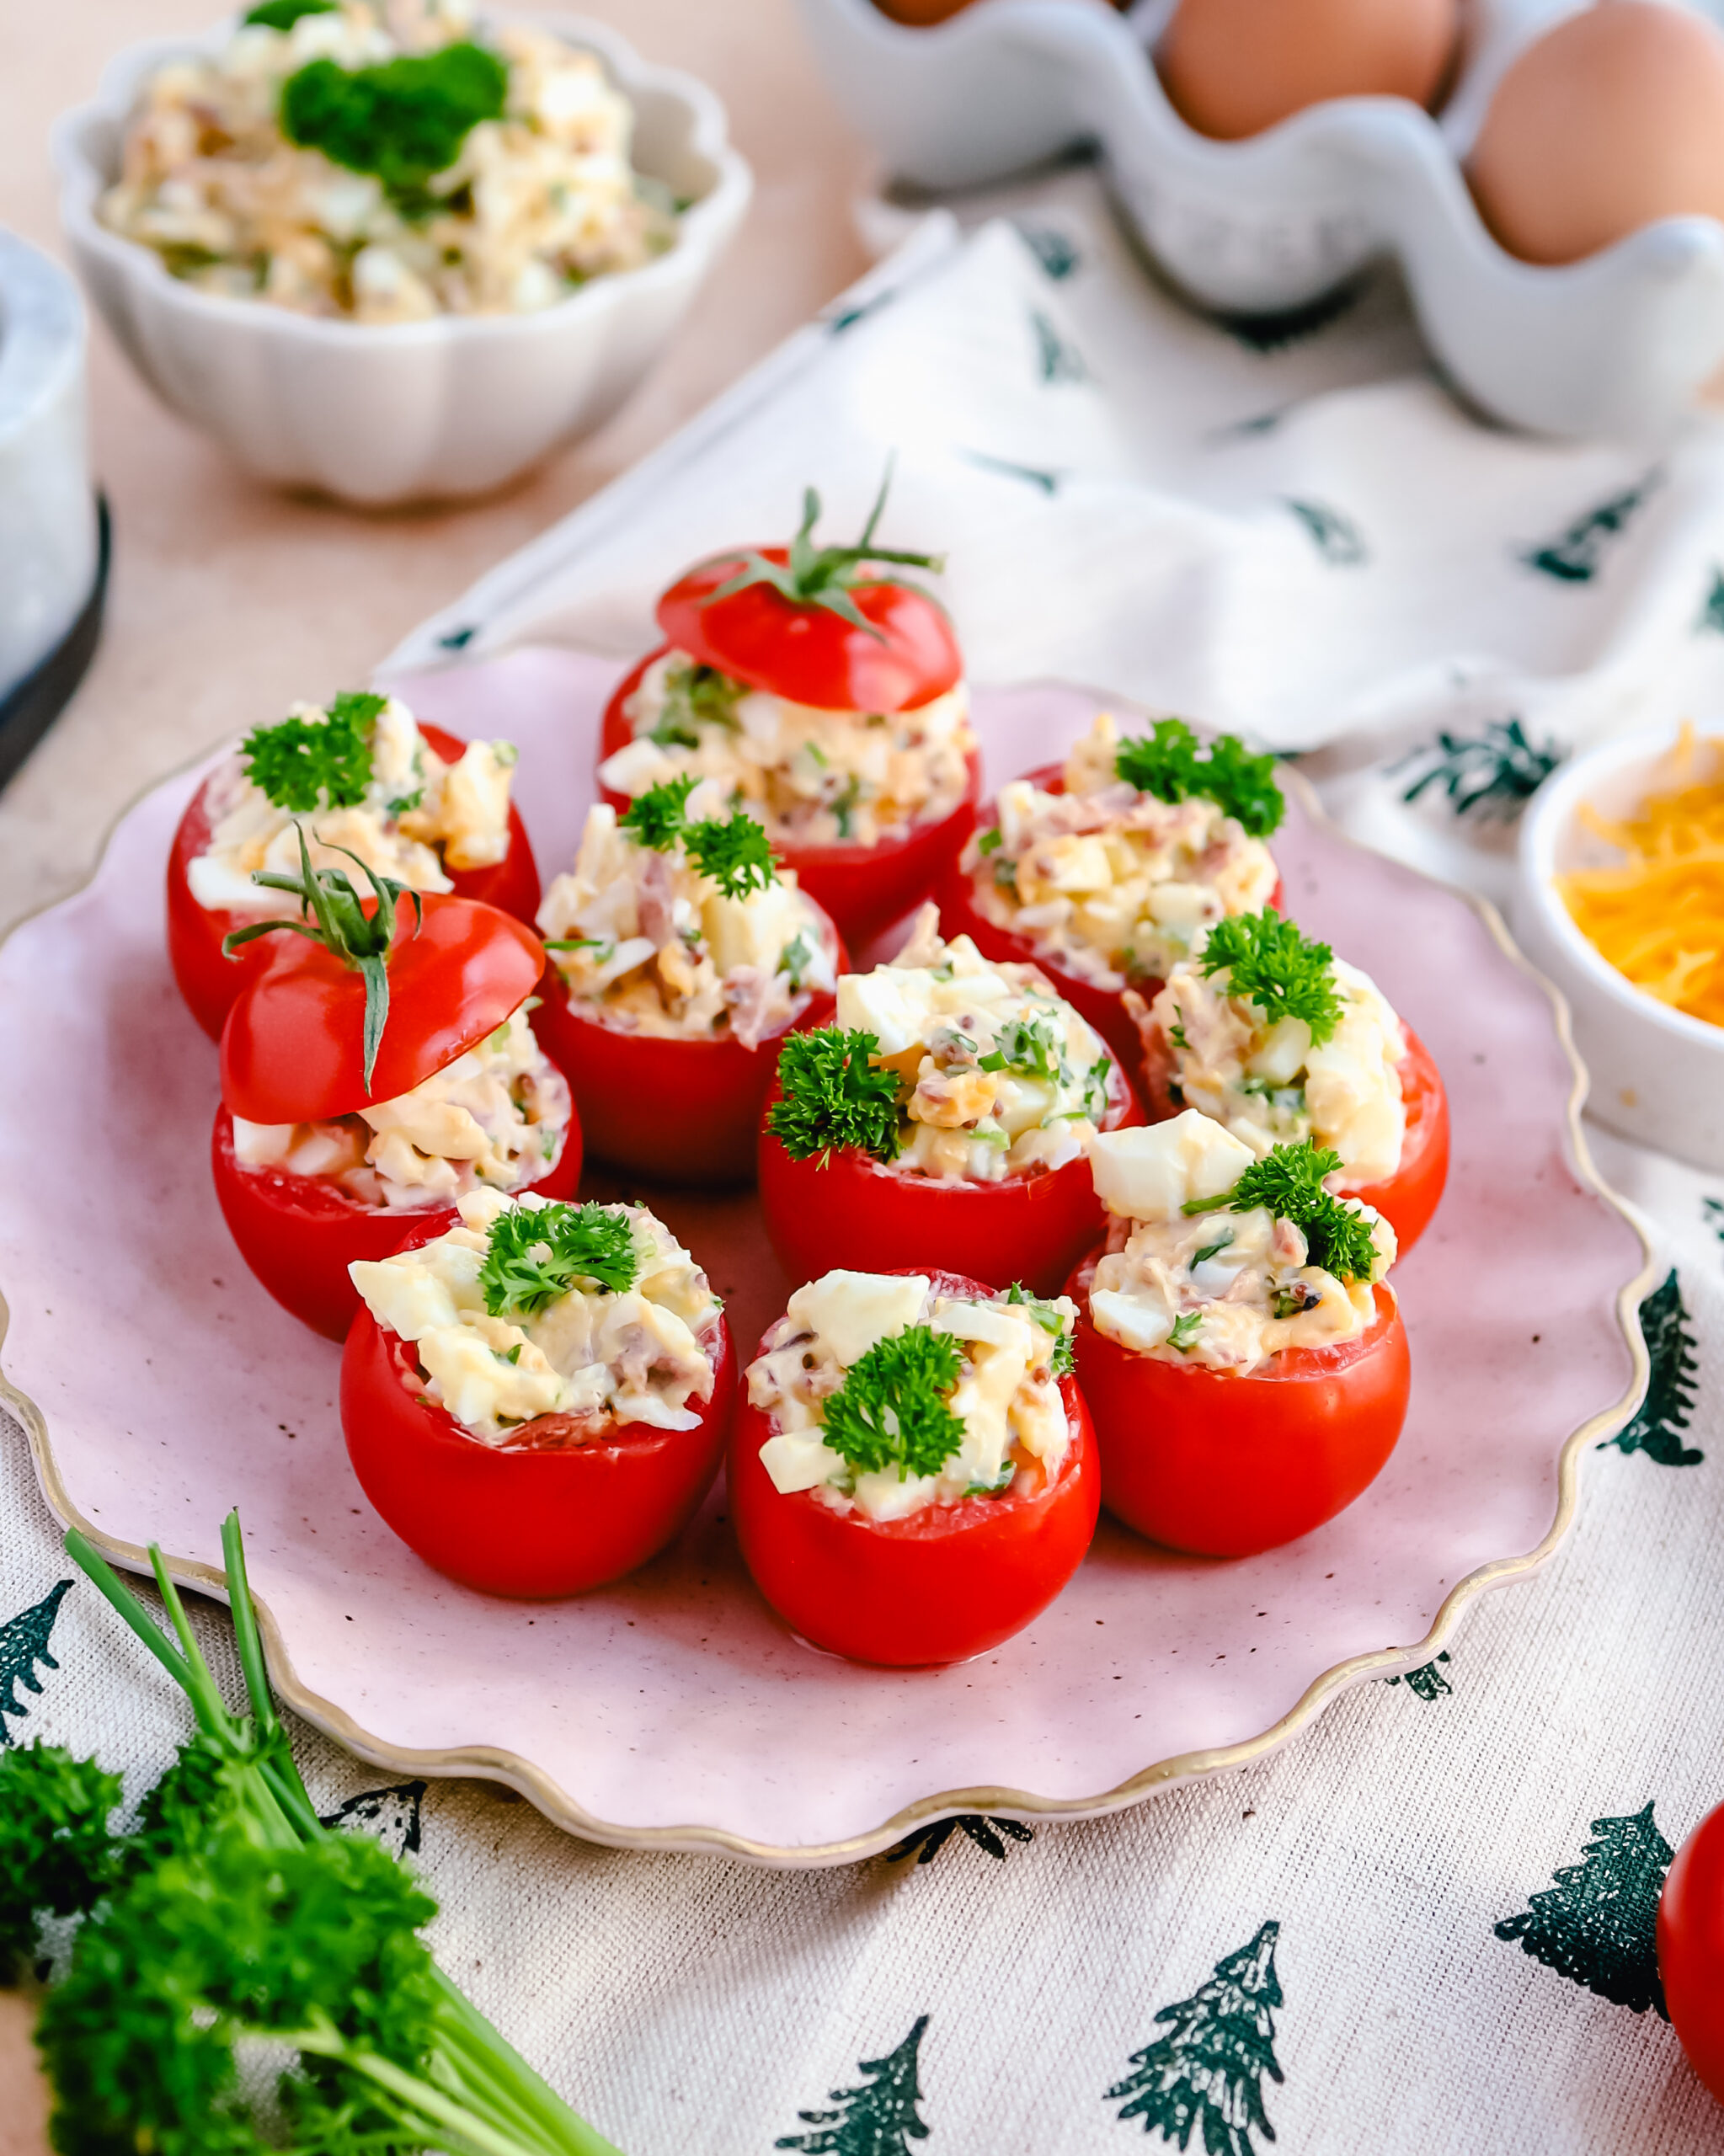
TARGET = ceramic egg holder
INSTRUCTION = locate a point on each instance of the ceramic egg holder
(1616, 344)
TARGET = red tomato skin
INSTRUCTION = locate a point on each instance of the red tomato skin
(293, 1045)
(858, 1213)
(529, 1524)
(1691, 1949)
(1222, 1466)
(675, 1111)
(863, 888)
(298, 1233)
(949, 1583)
(1407, 1199)
(210, 983)
(808, 654)
(1104, 1008)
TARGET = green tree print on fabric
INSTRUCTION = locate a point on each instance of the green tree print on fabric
(1577, 554)
(1056, 251)
(1668, 1405)
(1597, 1925)
(1712, 1212)
(1058, 361)
(877, 2118)
(1208, 2070)
(927, 1841)
(1710, 618)
(1336, 537)
(1491, 774)
(391, 1813)
(1427, 1682)
(23, 1643)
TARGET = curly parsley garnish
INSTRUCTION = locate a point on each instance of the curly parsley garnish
(891, 1410)
(535, 1254)
(1268, 963)
(1060, 1359)
(834, 1096)
(283, 14)
(304, 764)
(659, 817)
(1289, 1182)
(734, 852)
(404, 121)
(1169, 762)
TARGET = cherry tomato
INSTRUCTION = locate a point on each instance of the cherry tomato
(859, 1213)
(1223, 1465)
(808, 654)
(944, 1584)
(679, 1111)
(1691, 1949)
(864, 888)
(1407, 1198)
(568, 1505)
(1103, 1007)
(210, 982)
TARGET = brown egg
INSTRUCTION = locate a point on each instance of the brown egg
(1233, 67)
(1614, 118)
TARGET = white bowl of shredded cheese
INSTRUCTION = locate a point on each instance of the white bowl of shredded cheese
(414, 371)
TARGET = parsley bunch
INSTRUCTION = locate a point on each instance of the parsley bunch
(1169, 762)
(1269, 963)
(891, 1410)
(535, 1254)
(283, 14)
(733, 851)
(834, 1096)
(404, 121)
(302, 764)
(1289, 1181)
(1061, 1361)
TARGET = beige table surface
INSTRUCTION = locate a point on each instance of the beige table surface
(227, 600)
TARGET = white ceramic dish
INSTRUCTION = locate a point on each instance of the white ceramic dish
(380, 414)
(160, 1385)
(1614, 344)
(1657, 1074)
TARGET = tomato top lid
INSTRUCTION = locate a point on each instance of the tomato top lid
(351, 1012)
(819, 625)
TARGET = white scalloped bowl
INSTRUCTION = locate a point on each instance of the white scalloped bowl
(385, 413)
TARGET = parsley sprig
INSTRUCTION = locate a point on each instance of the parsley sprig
(834, 1096)
(535, 1254)
(733, 851)
(1270, 964)
(283, 14)
(1170, 762)
(302, 764)
(659, 817)
(1289, 1181)
(891, 1410)
(404, 120)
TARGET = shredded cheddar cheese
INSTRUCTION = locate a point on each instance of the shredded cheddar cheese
(1658, 917)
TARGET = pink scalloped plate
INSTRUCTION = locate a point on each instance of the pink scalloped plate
(160, 1386)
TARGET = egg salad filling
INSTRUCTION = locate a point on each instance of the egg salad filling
(361, 780)
(888, 1395)
(811, 777)
(944, 1064)
(1276, 1038)
(679, 924)
(595, 1313)
(495, 1117)
(1149, 843)
(1216, 1257)
(376, 161)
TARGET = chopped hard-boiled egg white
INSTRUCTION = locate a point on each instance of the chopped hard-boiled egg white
(496, 1117)
(1009, 1425)
(637, 1354)
(812, 777)
(652, 946)
(1108, 882)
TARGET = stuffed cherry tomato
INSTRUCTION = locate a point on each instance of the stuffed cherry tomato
(536, 1399)
(680, 958)
(1691, 1948)
(826, 697)
(1276, 1037)
(912, 1475)
(1103, 869)
(1246, 1368)
(419, 806)
(945, 1114)
(371, 1077)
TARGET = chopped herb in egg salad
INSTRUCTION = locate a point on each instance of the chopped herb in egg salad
(362, 782)
(494, 1118)
(886, 1395)
(676, 921)
(1151, 841)
(943, 1063)
(1219, 1258)
(535, 1307)
(1276, 1038)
